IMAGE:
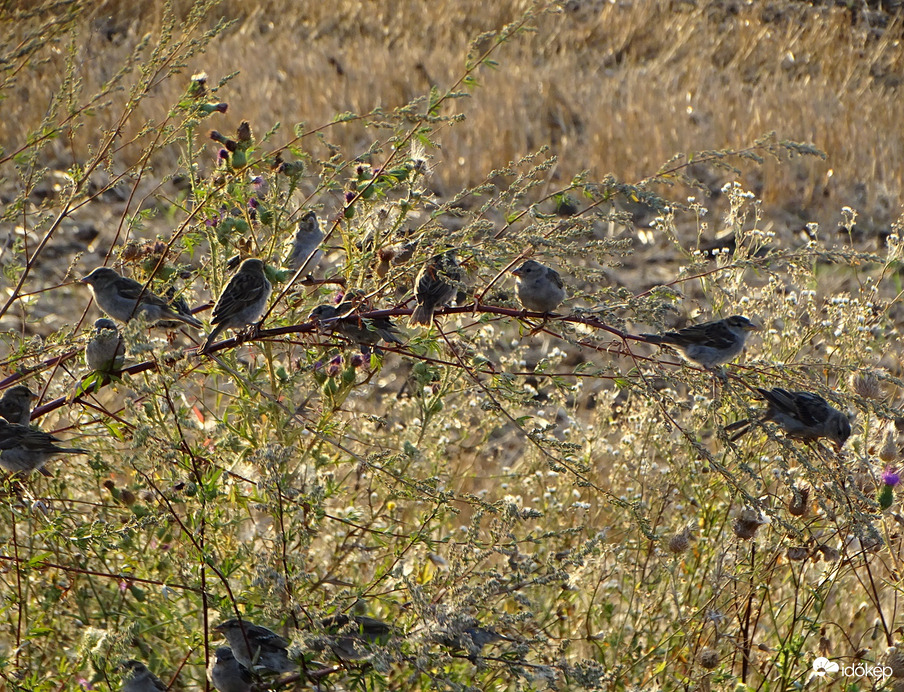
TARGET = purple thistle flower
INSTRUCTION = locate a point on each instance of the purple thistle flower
(350, 195)
(890, 478)
(223, 155)
(253, 203)
(357, 360)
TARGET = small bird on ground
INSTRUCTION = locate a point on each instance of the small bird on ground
(106, 351)
(802, 415)
(366, 332)
(15, 406)
(122, 299)
(433, 288)
(256, 647)
(539, 288)
(24, 449)
(306, 243)
(242, 301)
(137, 678)
(227, 674)
(352, 636)
(711, 344)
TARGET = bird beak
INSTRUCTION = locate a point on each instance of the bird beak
(517, 272)
(754, 327)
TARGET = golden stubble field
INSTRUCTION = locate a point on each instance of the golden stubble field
(610, 87)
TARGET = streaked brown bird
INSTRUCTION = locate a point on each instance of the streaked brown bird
(711, 344)
(24, 449)
(122, 299)
(435, 286)
(242, 301)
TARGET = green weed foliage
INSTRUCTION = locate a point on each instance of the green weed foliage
(553, 478)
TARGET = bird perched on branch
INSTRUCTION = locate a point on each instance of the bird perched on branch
(256, 647)
(802, 415)
(306, 243)
(15, 406)
(106, 351)
(227, 674)
(539, 288)
(352, 636)
(25, 449)
(710, 344)
(343, 319)
(242, 301)
(137, 678)
(435, 286)
(122, 299)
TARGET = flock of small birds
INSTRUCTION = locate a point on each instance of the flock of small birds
(254, 652)
(242, 303)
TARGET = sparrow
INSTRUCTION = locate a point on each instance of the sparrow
(226, 674)
(351, 636)
(25, 449)
(256, 647)
(367, 332)
(710, 344)
(394, 255)
(106, 351)
(122, 299)
(137, 678)
(15, 406)
(242, 301)
(471, 639)
(802, 415)
(431, 288)
(539, 288)
(306, 243)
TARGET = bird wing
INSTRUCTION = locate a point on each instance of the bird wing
(132, 290)
(711, 334)
(808, 408)
(265, 636)
(555, 278)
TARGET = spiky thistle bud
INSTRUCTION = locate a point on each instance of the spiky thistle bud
(889, 451)
(680, 541)
(866, 384)
(890, 479)
(708, 658)
(894, 659)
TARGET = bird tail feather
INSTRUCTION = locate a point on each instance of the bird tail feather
(421, 315)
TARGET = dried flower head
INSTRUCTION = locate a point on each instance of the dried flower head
(894, 659)
(708, 658)
(747, 523)
(799, 503)
(828, 553)
(889, 451)
(866, 383)
(680, 541)
(796, 553)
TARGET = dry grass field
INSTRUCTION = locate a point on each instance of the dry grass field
(553, 479)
